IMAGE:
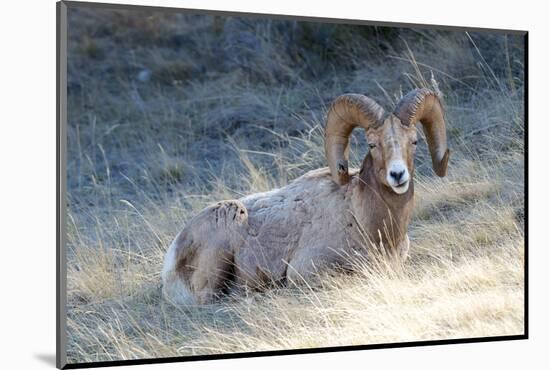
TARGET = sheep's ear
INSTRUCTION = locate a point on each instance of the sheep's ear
(347, 112)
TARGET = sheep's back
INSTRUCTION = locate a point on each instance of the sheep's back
(306, 214)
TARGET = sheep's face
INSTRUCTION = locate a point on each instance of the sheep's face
(392, 146)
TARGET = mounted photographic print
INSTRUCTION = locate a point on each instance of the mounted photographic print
(234, 184)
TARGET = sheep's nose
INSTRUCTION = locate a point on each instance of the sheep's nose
(397, 175)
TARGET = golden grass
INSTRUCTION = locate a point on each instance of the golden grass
(464, 279)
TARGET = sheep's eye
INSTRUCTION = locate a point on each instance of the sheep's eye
(414, 142)
(372, 146)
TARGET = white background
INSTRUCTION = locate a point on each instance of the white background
(27, 206)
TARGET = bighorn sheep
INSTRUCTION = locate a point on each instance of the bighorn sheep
(312, 224)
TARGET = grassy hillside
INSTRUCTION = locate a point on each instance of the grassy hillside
(171, 112)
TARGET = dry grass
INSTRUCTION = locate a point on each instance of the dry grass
(158, 128)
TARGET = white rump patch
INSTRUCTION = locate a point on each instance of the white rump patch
(173, 287)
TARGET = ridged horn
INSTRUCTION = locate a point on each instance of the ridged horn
(424, 106)
(347, 112)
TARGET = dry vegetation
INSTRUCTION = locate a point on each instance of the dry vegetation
(168, 113)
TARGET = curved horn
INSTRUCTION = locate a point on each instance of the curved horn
(347, 112)
(424, 105)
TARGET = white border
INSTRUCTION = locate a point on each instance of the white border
(28, 182)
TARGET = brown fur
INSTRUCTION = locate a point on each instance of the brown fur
(314, 224)
(290, 234)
